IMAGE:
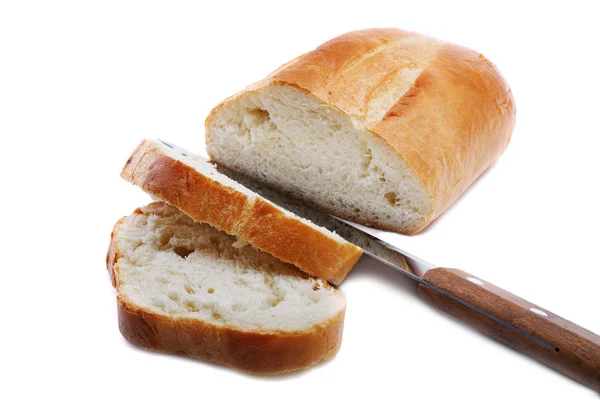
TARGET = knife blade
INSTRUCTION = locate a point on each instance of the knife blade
(495, 312)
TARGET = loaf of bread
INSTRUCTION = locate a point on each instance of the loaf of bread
(382, 126)
(187, 287)
(195, 187)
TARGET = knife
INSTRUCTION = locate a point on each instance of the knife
(518, 323)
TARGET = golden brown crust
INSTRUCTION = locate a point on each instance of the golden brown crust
(258, 222)
(255, 352)
(449, 123)
(251, 351)
(454, 122)
(112, 256)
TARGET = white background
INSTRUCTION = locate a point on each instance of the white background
(81, 83)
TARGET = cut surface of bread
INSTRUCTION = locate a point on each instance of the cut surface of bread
(194, 186)
(185, 286)
(383, 127)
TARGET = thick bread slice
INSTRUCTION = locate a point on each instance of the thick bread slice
(194, 186)
(382, 126)
(187, 287)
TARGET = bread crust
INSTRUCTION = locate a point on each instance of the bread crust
(451, 124)
(257, 222)
(260, 352)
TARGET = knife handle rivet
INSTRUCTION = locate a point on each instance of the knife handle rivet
(538, 311)
(475, 281)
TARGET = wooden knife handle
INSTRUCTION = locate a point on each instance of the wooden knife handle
(548, 338)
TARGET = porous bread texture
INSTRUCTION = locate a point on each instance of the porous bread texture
(383, 127)
(194, 186)
(291, 140)
(188, 281)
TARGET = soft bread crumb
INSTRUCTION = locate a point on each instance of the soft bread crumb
(174, 266)
(289, 139)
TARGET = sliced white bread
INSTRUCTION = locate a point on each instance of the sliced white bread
(194, 186)
(381, 126)
(186, 287)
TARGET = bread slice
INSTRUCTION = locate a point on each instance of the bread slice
(194, 186)
(382, 126)
(187, 287)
